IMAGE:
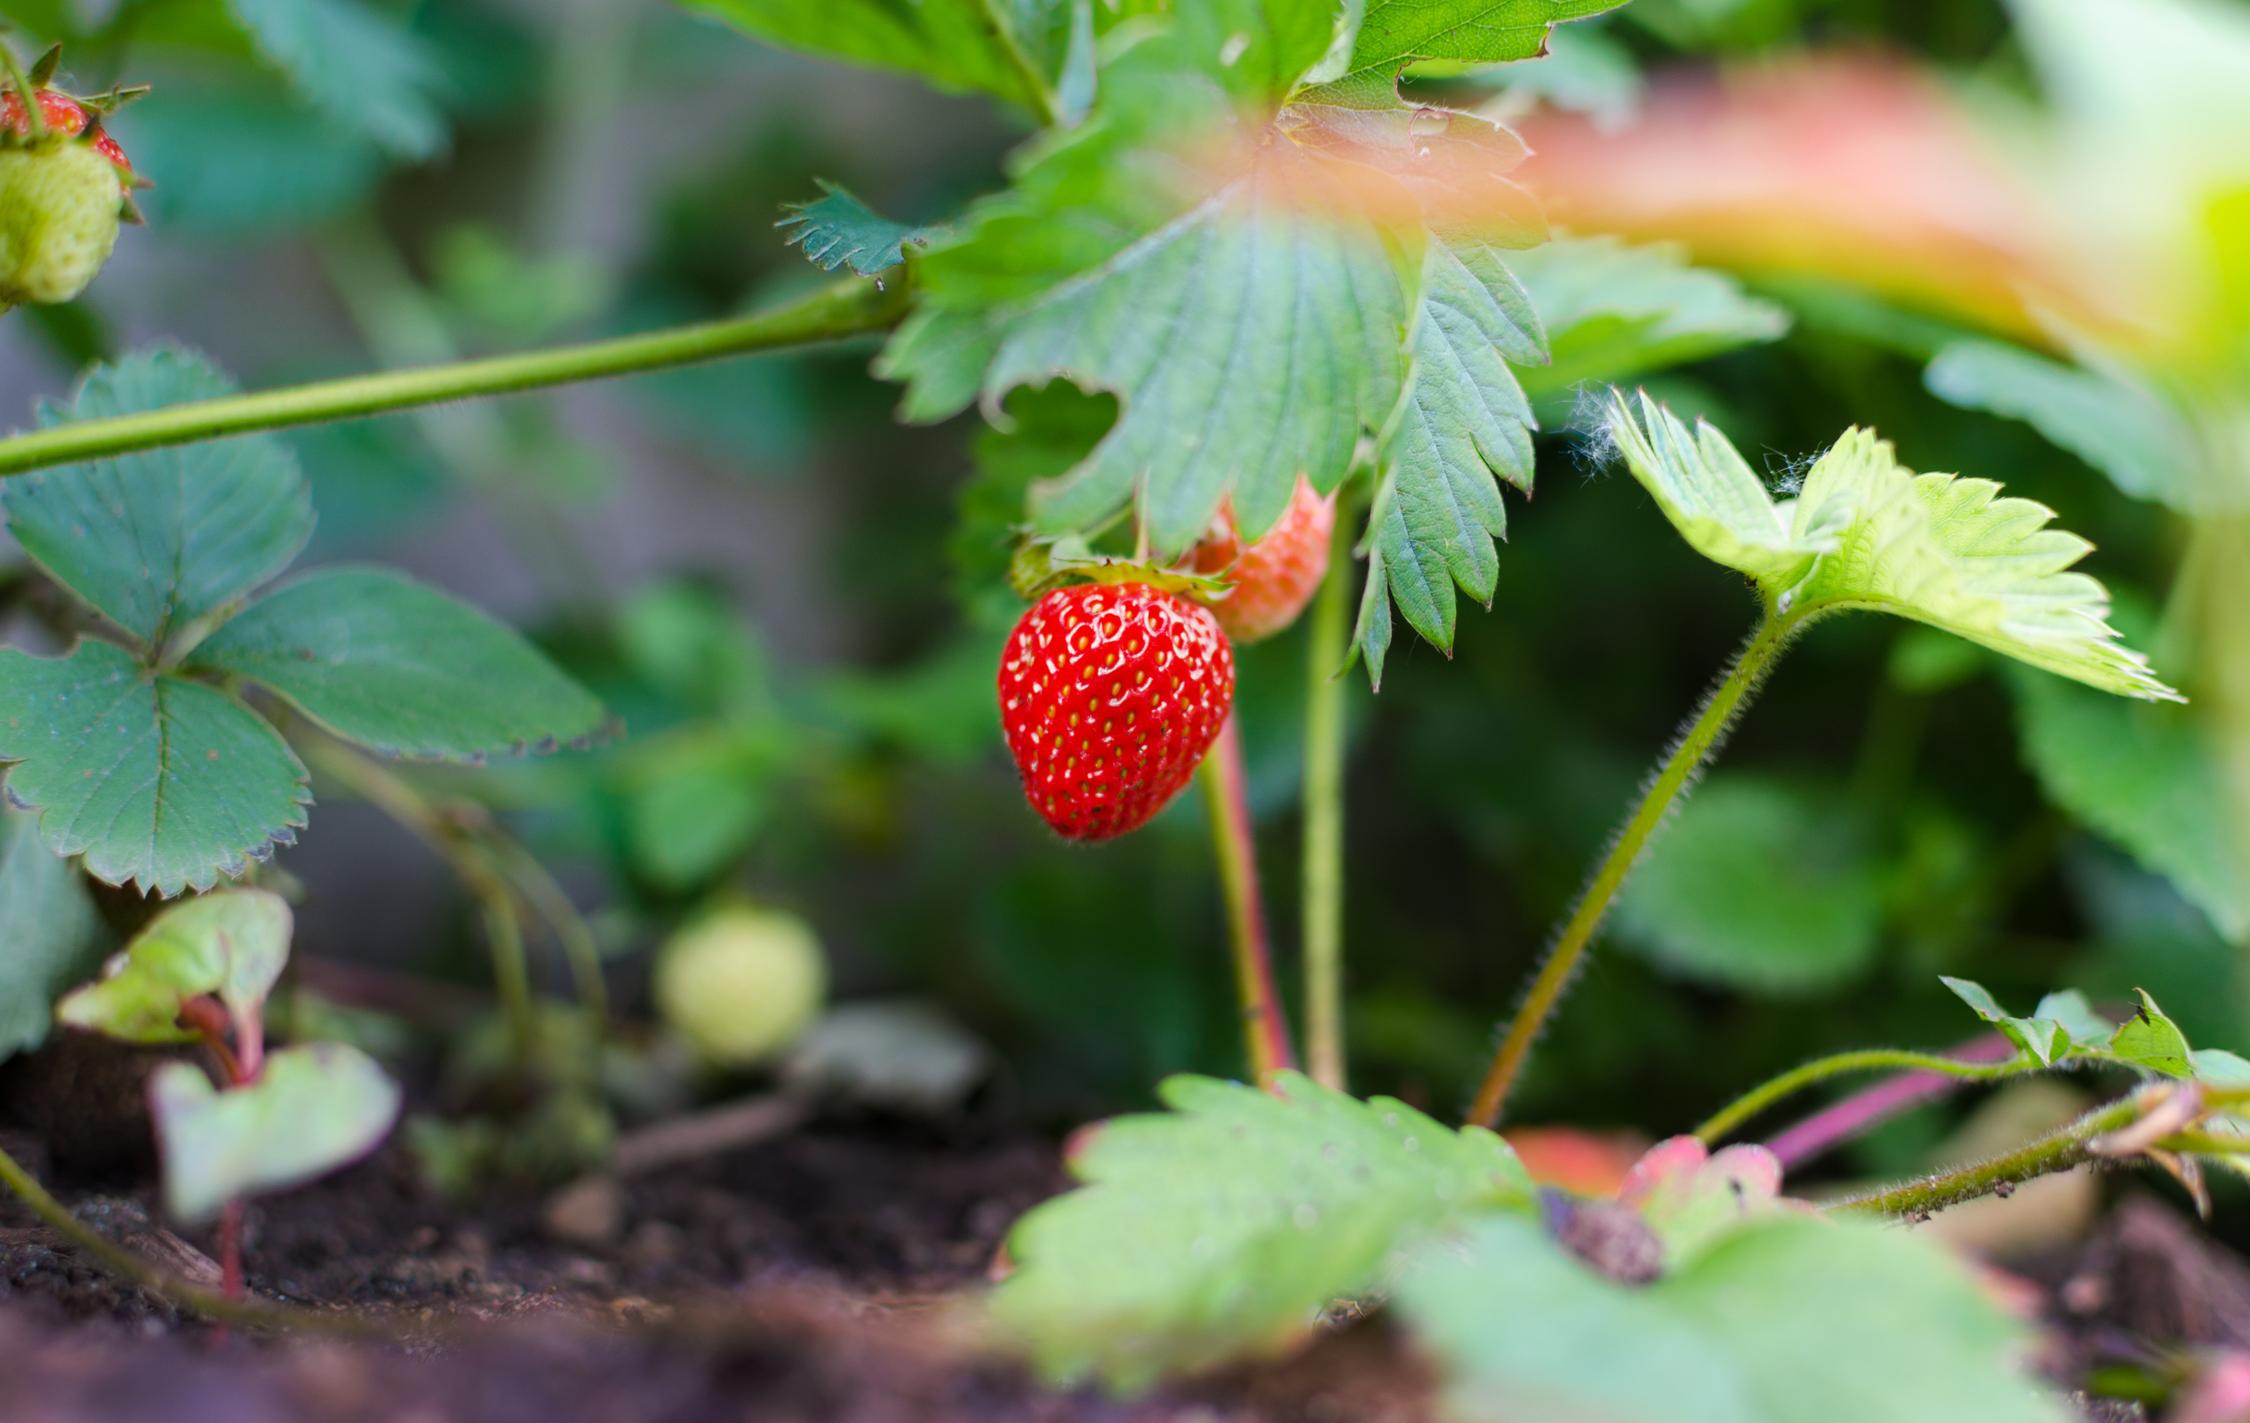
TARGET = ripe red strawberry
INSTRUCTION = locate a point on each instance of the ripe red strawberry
(1276, 576)
(1110, 693)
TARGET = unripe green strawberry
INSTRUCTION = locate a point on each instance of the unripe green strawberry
(59, 210)
(741, 983)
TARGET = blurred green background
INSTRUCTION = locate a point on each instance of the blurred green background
(761, 572)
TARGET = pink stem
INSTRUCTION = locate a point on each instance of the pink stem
(1862, 1111)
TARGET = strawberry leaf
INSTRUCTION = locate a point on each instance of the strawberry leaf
(354, 64)
(1872, 1322)
(1868, 533)
(399, 667)
(314, 1108)
(155, 780)
(159, 542)
(51, 936)
(839, 228)
(230, 945)
(1393, 34)
(1224, 1225)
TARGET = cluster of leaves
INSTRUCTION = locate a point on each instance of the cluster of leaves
(137, 754)
(1230, 1223)
(2064, 1029)
(293, 1114)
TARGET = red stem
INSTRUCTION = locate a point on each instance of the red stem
(1864, 1110)
(1263, 1023)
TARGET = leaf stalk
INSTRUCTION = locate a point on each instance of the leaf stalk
(1327, 646)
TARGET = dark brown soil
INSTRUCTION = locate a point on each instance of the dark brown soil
(817, 1276)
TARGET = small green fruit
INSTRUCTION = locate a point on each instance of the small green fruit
(740, 983)
(59, 210)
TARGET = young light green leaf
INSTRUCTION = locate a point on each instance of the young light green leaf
(1223, 1226)
(2115, 424)
(230, 945)
(1614, 311)
(2152, 1041)
(50, 933)
(839, 228)
(2044, 1038)
(313, 1109)
(1713, 498)
(354, 64)
(400, 668)
(1759, 884)
(1786, 1318)
(2147, 778)
(160, 540)
(155, 780)
(1868, 533)
(1396, 33)
(2069, 1010)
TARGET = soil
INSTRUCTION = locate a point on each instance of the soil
(815, 1275)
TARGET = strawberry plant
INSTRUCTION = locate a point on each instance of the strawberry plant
(1263, 339)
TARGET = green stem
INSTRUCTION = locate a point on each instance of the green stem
(1759, 1098)
(548, 899)
(122, 1262)
(849, 308)
(1326, 647)
(1701, 741)
(2057, 1151)
(511, 975)
(34, 118)
(1263, 1026)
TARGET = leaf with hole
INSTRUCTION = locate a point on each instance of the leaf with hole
(230, 945)
(401, 668)
(1224, 1225)
(155, 780)
(311, 1110)
(160, 541)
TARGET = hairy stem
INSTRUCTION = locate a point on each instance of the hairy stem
(1695, 747)
(1797, 1079)
(849, 308)
(1326, 648)
(2058, 1151)
(1263, 1025)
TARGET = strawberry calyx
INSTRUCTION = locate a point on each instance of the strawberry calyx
(68, 117)
(1042, 565)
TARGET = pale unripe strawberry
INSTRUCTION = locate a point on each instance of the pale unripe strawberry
(741, 983)
(59, 211)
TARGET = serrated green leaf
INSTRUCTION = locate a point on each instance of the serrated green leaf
(51, 936)
(1787, 1318)
(401, 668)
(354, 64)
(954, 44)
(230, 945)
(1759, 884)
(2147, 778)
(313, 1109)
(2106, 419)
(155, 781)
(2044, 1038)
(1614, 311)
(2152, 1041)
(1713, 498)
(1868, 533)
(1396, 33)
(839, 228)
(1221, 1227)
(160, 540)
(1464, 421)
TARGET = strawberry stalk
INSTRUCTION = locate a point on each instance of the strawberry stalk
(1266, 1030)
(1323, 896)
(852, 307)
